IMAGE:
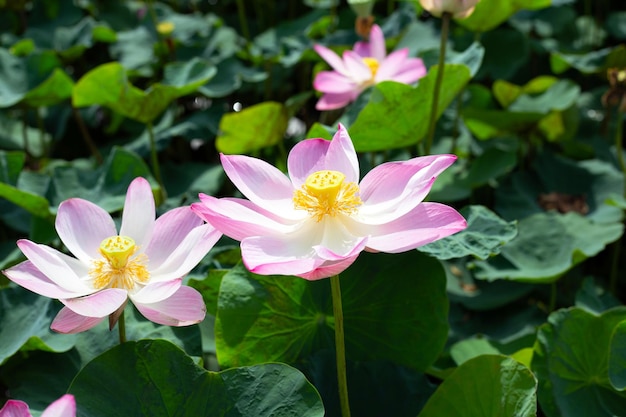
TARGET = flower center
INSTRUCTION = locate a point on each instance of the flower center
(117, 270)
(372, 64)
(326, 193)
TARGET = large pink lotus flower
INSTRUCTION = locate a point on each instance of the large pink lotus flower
(459, 9)
(367, 64)
(63, 407)
(144, 262)
(315, 223)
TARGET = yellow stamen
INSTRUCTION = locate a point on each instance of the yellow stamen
(326, 193)
(117, 270)
(372, 64)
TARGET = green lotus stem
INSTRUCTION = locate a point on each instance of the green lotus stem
(25, 131)
(553, 290)
(153, 15)
(340, 346)
(85, 134)
(445, 27)
(619, 148)
(121, 328)
(243, 21)
(155, 161)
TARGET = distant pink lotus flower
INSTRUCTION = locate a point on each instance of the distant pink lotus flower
(315, 223)
(63, 407)
(144, 262)
(367, 64)
(459, 9)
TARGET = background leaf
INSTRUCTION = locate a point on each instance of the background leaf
(183, 388)
(500, 386)
(262, 319)
(571, 361)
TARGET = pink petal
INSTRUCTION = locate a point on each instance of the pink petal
(341, 155)
(138, 216)
(82, 226)
(64, 271)
(362, 49)
(410, 71)
(390, 65)
(331, 58)
(392, 189)
(170, 230)
(157, 291)
(260, 182)
(328, 269)
(332, 241)
(404, 70)
(28, 276)
(283, 254)
(265, 255)
(334, 83)
(424, 224)
(301, 252)
(15, 408)
(314, 155)
(268, 256)
(357, 70)
(334, 101)
(99, 304)
(63, 407)
(185, 307)
(187, 254)
(69, 322)
(378, 49)
(305, 158)
(238, 218)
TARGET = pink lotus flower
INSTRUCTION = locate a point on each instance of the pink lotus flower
(459, 9)
(367, 64)
(315, 223)
(144, 262)
(63, 407)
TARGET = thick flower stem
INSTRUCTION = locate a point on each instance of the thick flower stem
(445, 26)
(121, 327)
(155, 162)
(86, 136)
(619, 150)
(243, 21)
(340, 346)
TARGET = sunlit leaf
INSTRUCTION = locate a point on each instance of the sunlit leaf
(397, 114)
(252, 128)
(108, 85)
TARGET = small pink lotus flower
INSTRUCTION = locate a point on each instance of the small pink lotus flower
(367, 64)
(63, 407)
(459, 9)
(144, 262)
(315, 223)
